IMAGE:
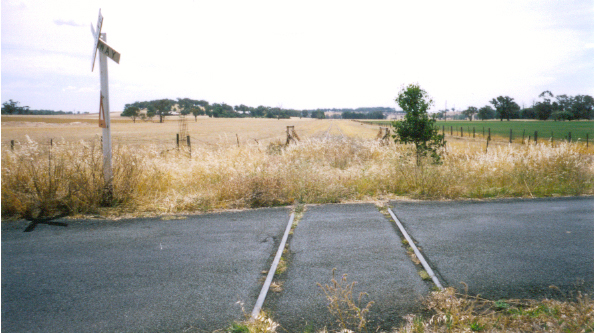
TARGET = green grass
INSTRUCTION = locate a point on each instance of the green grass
(558, 129)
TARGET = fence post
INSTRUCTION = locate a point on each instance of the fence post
(510, 135)
(443, 130)
(473, 133)
(489, 137)
(189, 146)
(177, 140)
(461, 132)
(552, 140)
(452, 130)
(524, 135)
(587, 139)
(11, 144)
(535, 137)
(569, 137)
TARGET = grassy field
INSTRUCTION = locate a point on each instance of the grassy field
(559, 130)
(204, 131)
(335, 161)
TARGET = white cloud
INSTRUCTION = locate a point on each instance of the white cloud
(305, 54)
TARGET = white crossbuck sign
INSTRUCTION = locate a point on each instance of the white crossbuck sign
(100, 45)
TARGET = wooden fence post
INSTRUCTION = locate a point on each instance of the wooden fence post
(189, 146)
(461, 132)
(524, 135)
(473, 133)
(489, 137)
(452, 130)
(177, 140)
(11, 144)
(535, 137)
(569, 137)
(552, 140)
(510, 135)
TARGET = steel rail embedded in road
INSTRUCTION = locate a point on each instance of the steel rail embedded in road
(275, 262)
(417, 252)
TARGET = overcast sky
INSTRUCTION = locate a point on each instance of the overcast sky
(297, 54)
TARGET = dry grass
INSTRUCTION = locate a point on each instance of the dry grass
(453, 312)
(213, 132)
(327, 169)
(348, 312)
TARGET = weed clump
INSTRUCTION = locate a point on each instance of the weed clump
(454, 312)
(348, 313)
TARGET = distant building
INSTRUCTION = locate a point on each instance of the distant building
(395, 115)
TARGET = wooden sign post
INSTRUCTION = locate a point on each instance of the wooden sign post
(105, 51)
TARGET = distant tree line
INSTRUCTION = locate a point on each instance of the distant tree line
(360, 115)
(361, 110)
(564, 107)
(12, 107)
(165, 107)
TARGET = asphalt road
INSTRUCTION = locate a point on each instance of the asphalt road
(143, 275)
(358, 241)
(155, 275)
(507, 248)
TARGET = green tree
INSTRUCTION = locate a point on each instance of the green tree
(486, 112)
(163, 108)
(528, 113)
(417, 127)
(564, 104)
(318, 114)
(471, 111)
(506, 107)
(132, 112)
(197, 111)
(151, 111)
(545, 108)
(582, 107)
(12, 107)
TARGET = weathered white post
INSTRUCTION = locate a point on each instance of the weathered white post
(107, 172)
(104, 118)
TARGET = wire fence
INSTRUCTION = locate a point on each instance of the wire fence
(175, 142)
(518, 136)
(514, 134)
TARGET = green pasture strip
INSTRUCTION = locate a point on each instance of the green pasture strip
(558, 129)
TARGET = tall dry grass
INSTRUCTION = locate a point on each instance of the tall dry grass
(325, 170)
(454, 312)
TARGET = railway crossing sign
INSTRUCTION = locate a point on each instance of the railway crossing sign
(105, 51)
(100, 45)
(96, 35)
